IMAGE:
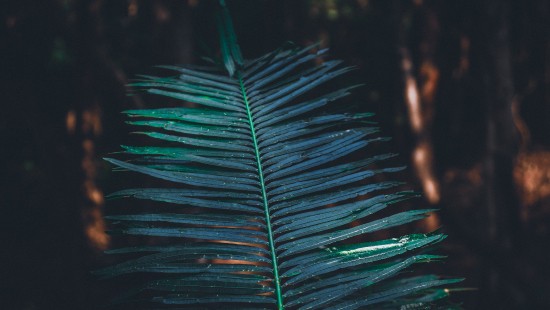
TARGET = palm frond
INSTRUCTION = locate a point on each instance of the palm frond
(263, 193)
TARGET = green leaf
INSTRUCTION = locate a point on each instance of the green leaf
(193, 219)
(253, 197)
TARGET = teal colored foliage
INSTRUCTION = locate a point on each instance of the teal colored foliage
(263, 195)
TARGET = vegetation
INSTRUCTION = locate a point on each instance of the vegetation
(267, 180)
(461, 87)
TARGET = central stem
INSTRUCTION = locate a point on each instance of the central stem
(264, 196)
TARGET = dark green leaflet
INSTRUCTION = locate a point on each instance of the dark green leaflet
(329, 215)
(209, 131)
(193, 248)
(345, 285)
(191, 300)
(263, 194)
(336, 259)
(399, 290)
(194, 219)
(365, 274)
(192, 116)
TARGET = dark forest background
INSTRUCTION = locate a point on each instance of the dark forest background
(463, 87)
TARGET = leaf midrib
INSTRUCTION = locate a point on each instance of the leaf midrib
(264, 196)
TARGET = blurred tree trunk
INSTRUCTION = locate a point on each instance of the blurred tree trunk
(502, 138)
(421, 78)
(501, 201)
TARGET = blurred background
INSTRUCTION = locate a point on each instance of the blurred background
(463, 87)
